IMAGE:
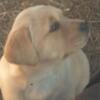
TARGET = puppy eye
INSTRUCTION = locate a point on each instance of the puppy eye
(54, 27)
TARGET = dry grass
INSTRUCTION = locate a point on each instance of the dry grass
(81, 9)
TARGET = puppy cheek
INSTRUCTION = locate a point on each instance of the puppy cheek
(53, 48)
(47, 52)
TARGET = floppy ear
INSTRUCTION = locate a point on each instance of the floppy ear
(19, 48)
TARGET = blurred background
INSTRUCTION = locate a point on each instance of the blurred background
(80, 9)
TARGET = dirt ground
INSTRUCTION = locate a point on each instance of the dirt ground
(80, 9)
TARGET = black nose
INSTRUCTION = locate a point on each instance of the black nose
(84, 27)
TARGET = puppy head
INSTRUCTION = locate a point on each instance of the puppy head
(42, 32)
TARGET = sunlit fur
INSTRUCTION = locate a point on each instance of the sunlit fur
(41, 65)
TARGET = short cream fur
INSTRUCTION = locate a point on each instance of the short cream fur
(39, 64)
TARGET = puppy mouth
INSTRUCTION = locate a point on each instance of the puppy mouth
(65, 56)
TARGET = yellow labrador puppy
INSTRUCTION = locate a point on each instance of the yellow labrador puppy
(42, 57)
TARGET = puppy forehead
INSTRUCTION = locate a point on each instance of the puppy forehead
(50, 9)
(36, 14)
(43, 11)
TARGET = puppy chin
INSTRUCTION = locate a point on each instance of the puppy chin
(83, 42)
(54, 56)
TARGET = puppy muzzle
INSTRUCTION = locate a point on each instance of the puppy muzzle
(84, 27)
